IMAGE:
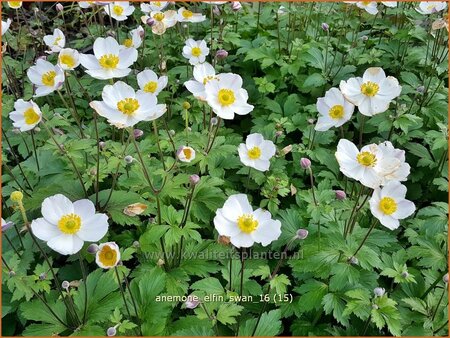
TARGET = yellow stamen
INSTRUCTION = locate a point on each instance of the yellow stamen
(30, 116)
(67, 60)
(187, 153)
(109, 61)
(69, 224)
(159, 16)
(208, 78)
(128, 43)
(226, 97)
(118, 10)
(14, 4)
(247, 223)
(151, 87)
(336, 112)
(388, 205)
(128, 106)
(370, 88)
(187, 14)
(48, 79)
(366, 159)
(108, 256)
(254, 153)
(196, 51)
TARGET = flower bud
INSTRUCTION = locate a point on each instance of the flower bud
(375, 306)
(278, 133)
(7, 225)
(92, 249)
(364, 38)
(236, 6)
(445, 278)
(43, 276)
(420, 89)
(136, 244)
(37, 129)
(405, 274)
(353, 260)
(137, 133)
(221, 54)
(214, 121)
(150, 22)
(102, 145)
(379, 292)
(311, 121)
(325, 26)
(194, 179)
(59, 7)
(302, 233)
(281, 10)
(192, 302)
(186, 105)
(128, 159)
(16, 196)
(65, 285)
(160, 262)
(111, 331)
(340, 195)
(172, 132)
(216, 10)
(11, 273)
(305, 163)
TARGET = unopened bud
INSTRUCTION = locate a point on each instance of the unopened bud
(150, 22)
(420, 89)
(340, 195)
(194, 179)
(364, 38)
(375, 306)
(325, 26)
(216, 10)
(405, 274)
(302, 233)
(59, 7)
(65, 285)
(214, 121)
(92, 249)
(445, 278)
(43, 276)
(128, 159)
(111, 331)
(278, 133)
(136, 244)
(305, 163)
(236, 6)
(379, 291)
(102, 145)
(160, 262)
(11, 273)
(172, 132)
(311, 121)
(353, 260)
(192, 302)
(186, 105)
(137, 133)
(221, 54)
(16, 196)
(37, 129)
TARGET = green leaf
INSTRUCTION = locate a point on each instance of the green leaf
(227, 313)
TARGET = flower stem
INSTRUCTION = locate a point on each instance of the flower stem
(34, 148)
(83, 271)
(122, 292)
(365, 237)
(311, 179)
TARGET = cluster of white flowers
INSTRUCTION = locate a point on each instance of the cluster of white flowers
(425, 7)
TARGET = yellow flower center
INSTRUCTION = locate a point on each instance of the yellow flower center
(151, 87)
(128, 106)
(388, 205)
(247, 223)
(57, 40)
(196, 51)
(69, 224)
(226, 97)
(366, 3)
(366, 159)
(370, 88)
(31, 117)
(159, 16)
(254, 153)
(118, 10)
(208, 78)
(336, 112)
(128, 43)
(187, 153)
(67, 60)
(15, 4)
(187, 14)
(157, 3)
(108, 256)
(48, 79)
(109, 61)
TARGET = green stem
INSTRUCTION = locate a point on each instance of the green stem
(365, 237)
(83, 271)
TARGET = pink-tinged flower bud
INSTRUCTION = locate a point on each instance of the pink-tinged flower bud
(194, 179)
(59, 7)
(111, 331)
(379, 292)
(311, 121)
(192, 302)
(102, 145)
(216, 10)
(364, 38)
(137, 133)
(405, 274)
(43, 276)
(150, 22)
(305, 163)
(302, 233)
(129, 159)
(353, 260)
(214, 121)
(420, 89)
(278, 133)
(445, 278)
(65, 285)
(11, 273)
(7, 225)
(236, 6)
(340, 195)
(325, 26)
(92, 249)
(221, 54)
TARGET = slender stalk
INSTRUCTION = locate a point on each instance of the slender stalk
(210, 318)
(432, 286)
(34, 149)
(6, 264)
(83, 271)
(437, 306)
(73, 110)
(311, 179)
(367, 236)
(12, 245)
(123, 293)
(49, 308)
(133, 301)
(161, 155)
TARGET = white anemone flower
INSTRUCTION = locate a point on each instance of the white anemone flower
(430, 7)
(227, 97)
(195, 51)
(237, 220)
(109, 60)
(359, 165)
(68, 59)
(26, 115)
(373, 92)
(392, 165)
(154, 6)
(65, 226)
(333, 110)
(123, 107)
(149, 82)
(391, 4)
(14, 4)
(256, 152)
(107, 255)
(388, 205)
(119, 10)
(186, 154)
(162, 20)
(203, 73)
(369, 6)
(185, 15)
(55, 41)
(88, 4)
(5, 26)
(46, 77)
(136, 38)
